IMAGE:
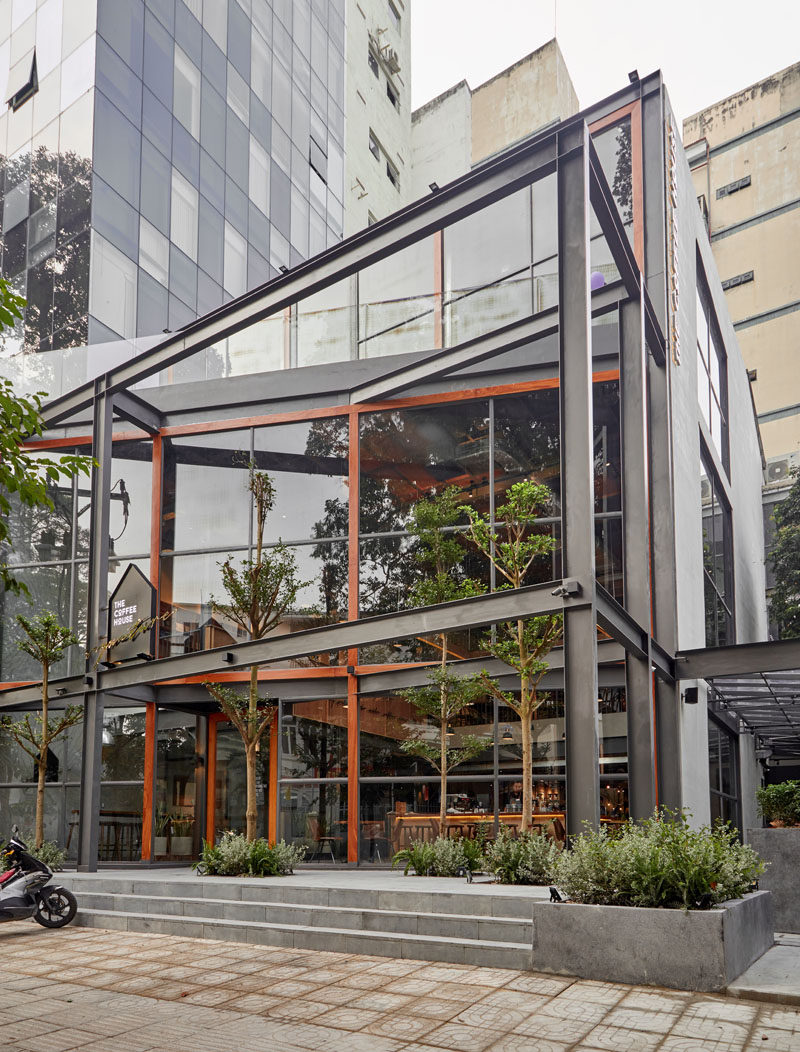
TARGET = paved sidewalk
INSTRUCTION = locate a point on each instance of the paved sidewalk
(101, 991)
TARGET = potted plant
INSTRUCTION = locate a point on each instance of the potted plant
(161, 830)
(779, 805)
(182, 839)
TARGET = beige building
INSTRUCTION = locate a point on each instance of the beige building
(744, 153)
(462, 127)
(378, 92)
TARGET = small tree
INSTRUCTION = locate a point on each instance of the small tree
(21, 475)
(260, 591)
(439, 555)
(46, 642)
(785, 557)
(513, 548)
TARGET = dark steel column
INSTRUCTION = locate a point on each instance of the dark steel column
(668, 715)
(636, 548)
(96, 628)
(577, 479)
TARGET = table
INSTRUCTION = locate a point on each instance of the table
(405, 828)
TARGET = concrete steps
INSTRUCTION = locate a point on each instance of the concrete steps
(488, 929)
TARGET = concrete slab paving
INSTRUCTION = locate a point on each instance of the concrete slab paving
(773, 977)
(143, 992)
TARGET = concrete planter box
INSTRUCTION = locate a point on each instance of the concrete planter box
(694, 950)
(781, 848)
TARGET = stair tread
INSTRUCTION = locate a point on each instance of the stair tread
(270, 925)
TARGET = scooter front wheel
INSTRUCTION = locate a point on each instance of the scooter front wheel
(55, 908)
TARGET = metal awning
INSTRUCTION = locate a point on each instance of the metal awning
(768, 704)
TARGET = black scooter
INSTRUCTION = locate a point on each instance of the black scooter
(25, 889)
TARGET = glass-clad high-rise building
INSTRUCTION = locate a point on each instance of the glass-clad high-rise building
(160, 157)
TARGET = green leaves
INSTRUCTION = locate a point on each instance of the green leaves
(440, 552)
(785, 558)
(780, 803)
(28, 479)
(46, 639)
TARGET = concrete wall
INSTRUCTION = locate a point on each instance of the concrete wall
(462, 127)
(756, 229)
(742, 485)
(441, 144)
(527, 96)
(367, 186)
(750, 778)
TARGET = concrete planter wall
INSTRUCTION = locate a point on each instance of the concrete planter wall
(781, 848)
(694, 950)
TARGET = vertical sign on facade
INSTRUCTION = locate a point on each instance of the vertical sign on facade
(673, 289)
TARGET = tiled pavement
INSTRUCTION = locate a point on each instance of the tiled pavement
(101, 991)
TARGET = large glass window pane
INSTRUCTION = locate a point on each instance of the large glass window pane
(117, 149)
(187, 585)
(49, 587)
(308, 465)
(183, 228)
(197, 466)
(326, 325)
(176, 764)
(186, 105)
(230, 786)
(131, 498)
(487, 277)
(314, 740)
(153, 251)
(259, 176)
(613, 147)
(408, 454)
(396, 302)
(315, 815)
(235, 274)
(112, 297)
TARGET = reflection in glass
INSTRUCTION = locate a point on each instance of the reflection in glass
(314, 739)
(176, 763)
(396, 302)
(315, 815)
(613, 147)
(487, 276)
(326, 325)
(230, 786)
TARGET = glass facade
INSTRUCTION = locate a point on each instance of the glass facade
(712, 376)
(165, 162)
(723, 771)
(717, 560)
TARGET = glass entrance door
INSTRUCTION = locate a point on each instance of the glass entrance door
(176, 770)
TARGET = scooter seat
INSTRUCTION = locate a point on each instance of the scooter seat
(9, 873)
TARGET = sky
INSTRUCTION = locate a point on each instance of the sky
(706, 49)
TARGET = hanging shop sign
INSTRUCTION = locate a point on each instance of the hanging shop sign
(132, 603)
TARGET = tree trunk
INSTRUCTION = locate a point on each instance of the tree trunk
(38, 839)
(527, 773)
(251, 814)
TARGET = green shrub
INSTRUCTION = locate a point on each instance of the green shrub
(780, 803)
(442, 857)
(528, 859)
(661, 862)
(236, 856)
(49, 853)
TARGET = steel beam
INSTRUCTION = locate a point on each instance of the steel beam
(739, 659)
(497, 179)
(636, 556)
(97, 626)
(577, 478)
(137, 411)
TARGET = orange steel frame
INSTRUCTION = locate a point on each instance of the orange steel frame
(352, 671)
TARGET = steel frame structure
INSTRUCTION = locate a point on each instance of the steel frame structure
(643, 629)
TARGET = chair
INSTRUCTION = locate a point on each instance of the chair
(322, 841)
(373, 832)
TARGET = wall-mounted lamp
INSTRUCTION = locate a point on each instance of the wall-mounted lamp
(283, 269)
(507, 736)
(228, 658)
(434, 187)
(690, 695)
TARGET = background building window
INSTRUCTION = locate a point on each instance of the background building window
(393, 175)
(374, 149)
(712, 376)
(113, 288)
(183, 229)
(723, 774)
(393, 96)
(373, 64)
(395, 16)
(187, 93)
(717, 560)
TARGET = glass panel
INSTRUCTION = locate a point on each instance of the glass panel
(183, 227)
(308, 465)
(527, 442)
(195, 467)
(42, 535)
(407, 454)
(235, 273)
(20, 801)
(613, 147)
(123, 744)
(186, 587)
(153, 251)
(702, 326)
(186, 105)
(326, 325)
(316, 816)
(176, 763)
(112, 297)
(259, 348)
(314, 740)
(50, 590)
(545, 218)
(487, 278)
(131, 498)
(230, 786)
(396, 302)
